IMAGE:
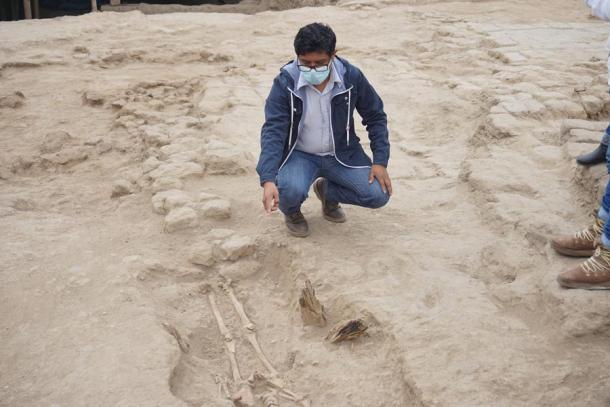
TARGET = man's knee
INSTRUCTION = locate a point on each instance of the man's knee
(377, 199)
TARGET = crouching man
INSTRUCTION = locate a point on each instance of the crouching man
(308, 136)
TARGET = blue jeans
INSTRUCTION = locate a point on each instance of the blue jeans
(342, 184)
(604, 210)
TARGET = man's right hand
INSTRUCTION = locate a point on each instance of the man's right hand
(271, 197)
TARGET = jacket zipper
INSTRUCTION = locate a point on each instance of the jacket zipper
(347, 129)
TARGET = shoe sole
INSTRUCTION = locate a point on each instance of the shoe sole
(297, 234)
(328, 218)
(566, 284)
(572, 252)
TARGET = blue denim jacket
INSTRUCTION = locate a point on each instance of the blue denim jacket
(284, 109)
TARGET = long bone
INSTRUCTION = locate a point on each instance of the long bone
(249, 328)
(244, 396)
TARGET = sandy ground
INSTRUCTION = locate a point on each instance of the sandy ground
(127, 187)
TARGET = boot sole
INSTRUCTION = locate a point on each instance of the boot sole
(327, 217)
(566, 284)
(298, 234)
(572, 252)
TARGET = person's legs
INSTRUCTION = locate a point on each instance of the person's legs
(294, 180)
(351, 186)
(598, 155)
(594, 273)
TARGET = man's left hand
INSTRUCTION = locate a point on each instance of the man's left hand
(381, 173)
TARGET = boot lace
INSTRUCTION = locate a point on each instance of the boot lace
(599, 262)
(592, 232)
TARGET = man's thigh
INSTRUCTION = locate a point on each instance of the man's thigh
(355, 179)
(299, 172)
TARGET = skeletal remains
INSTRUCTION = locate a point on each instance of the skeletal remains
(244, 396)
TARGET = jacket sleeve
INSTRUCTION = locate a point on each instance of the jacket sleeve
(370, 108)
(274, 132)
(600, 8)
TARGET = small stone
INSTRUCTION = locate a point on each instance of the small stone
(150, 164)
(216, 209)
(202, 254)
(177, 170)
(592, 104)
(93, 98)
(154, 135)
(234, 248)
(55, 141)
(165, 201)
(164, 184)
(121, 187)
(72, 155)
(205, 196)
(180, 218)
(12, 101)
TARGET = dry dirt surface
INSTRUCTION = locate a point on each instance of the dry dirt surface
(136, 255)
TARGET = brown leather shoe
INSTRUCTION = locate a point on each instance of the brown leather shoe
(331, 211)
(594, 273)
(297, 224)
(582, 243)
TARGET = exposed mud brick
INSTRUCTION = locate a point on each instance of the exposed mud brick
(180, 218)
(202, 254)
(165, 201)
(234, 248)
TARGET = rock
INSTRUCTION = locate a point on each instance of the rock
(501, 125)
(154, 135)
(93, 98)
(584, 136)
(55, 141)
(12, 101)
(165, 201)
(205, 196)
(521, 104)
(150, 164)
(70, 156)
(180, 145)
(592, 105)
(163, 184)
(219, 234)
(569, 124)
(177, 170)
(234, 248)
(202, 254)
(565, 108)
(226, 162)
(216, 209)
(121, 187)
(180, 218)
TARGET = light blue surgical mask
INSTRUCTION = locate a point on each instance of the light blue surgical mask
(314, 77)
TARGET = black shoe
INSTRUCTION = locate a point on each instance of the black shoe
(596, 156)
(331, 211)
(297, 224)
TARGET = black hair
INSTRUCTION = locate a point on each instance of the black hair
(315, 37)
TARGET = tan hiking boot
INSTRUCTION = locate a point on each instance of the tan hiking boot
(331, 211)
(582, 243)
(297, 224)
(594, 273)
